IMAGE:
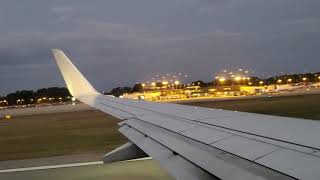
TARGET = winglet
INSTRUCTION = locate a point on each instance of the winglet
(77, 84)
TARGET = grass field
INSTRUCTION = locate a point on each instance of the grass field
(95, 132)
(58, 134)
(302, 106)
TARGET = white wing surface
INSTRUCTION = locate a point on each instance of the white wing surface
(201, 143)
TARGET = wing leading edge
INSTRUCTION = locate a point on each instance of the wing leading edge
(201, 143)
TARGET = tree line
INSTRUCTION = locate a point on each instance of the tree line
(57, 94)
(53, 94)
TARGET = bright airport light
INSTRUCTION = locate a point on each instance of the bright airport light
(176, 82)
(222, 79)
(238, 78)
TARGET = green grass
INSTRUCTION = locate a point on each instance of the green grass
(95, 132)
(302, 106)
(58, 134)
(138, 170)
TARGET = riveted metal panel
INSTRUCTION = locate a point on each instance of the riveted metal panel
(206, 135)
(296, 164)
(244, 147)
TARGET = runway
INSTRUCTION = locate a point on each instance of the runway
(133, 170)
(45, 110)
(50, 167)
(68, 151)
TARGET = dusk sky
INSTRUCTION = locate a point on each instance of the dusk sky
(120, 42)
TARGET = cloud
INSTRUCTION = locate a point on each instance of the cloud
(18, 67)
(218, 33)
(62, 9)
(122, 41)
(303, 21)
(303, 25)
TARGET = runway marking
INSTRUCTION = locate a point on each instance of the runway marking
(51, 167)
(65, 166)
(133, 160)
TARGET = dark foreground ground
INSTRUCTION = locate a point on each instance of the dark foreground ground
(87, 135)
(34, 136)
(93, 132)
(139, 170)
(302, 106)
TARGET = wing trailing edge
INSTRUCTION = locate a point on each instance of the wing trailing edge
(125, 152)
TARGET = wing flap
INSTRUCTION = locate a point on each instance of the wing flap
(125, 152)
(214, 161)
(299, 165)
(176, 165)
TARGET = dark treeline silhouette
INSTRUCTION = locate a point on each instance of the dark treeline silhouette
(57, 94)
(253, 81)
(120, 91)
(201, 83)
(296, 78)
(53, 94)
(284, 79)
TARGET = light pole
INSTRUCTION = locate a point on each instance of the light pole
(222, 80)
(261, 83)
(176, 83)
(304, 79)
(238, 79)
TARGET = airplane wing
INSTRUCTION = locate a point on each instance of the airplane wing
(200, 143)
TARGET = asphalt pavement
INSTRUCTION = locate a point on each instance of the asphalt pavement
(135, 170)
